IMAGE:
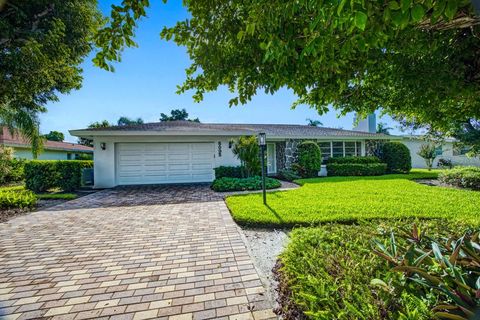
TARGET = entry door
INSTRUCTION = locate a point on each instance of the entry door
(157, 163)
(271, 158)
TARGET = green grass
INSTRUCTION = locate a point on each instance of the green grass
(56, 196)
(349, 199)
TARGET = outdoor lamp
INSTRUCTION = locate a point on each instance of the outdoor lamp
(103, 145)
(262, 139)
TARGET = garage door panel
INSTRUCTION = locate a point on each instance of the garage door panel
(144, 163)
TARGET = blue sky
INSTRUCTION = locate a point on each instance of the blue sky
(144, 84)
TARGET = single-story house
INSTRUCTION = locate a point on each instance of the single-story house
(446, 150)
(183, 152)
(52, 150)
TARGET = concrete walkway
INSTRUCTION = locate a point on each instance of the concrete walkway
(130, 253)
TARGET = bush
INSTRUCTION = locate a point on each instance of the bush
(41, 175)
(17, 173)
(6, 156)
(288, 175)
(246, 149)
(13, 198)
(356, 169)
(445, 163)
(463, 177)
(231, 172)
(397, 157)
(309, 159)
(241, 184)
(359, 160)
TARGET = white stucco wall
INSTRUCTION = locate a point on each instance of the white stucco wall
(45, 155)
(447, 153)
(104, 165)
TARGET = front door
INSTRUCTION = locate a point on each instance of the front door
(271, 159)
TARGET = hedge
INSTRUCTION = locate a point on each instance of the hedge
(356, 169)
(463, 177)
(309, 159)
(242, 184)
(41, 175)
(359, 160)
(397, 157)
(231, 172)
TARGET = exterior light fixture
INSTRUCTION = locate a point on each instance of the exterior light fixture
(262, 141)
(103, 145)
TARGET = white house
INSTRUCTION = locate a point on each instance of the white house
(182, 151)
(446, 150)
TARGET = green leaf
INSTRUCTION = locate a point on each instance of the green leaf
(360, 20)
(405, 4)
(451, 9)
(418, 12)
(340, 6)
(393, 5)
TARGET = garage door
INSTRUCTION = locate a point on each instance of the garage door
(151, 163)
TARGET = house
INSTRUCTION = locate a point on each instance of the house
(446, 150)
(183, 151)
(52, 150)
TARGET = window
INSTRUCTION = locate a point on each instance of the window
(350, 149)
(358, 146)
(326, 148)
(340, 149)
(460, 151)
(438, 150)
(337, 149)
(69, 156)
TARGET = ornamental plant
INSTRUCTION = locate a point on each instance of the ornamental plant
(397, 157)
(246, 149)
(309, 159)
(428, 153)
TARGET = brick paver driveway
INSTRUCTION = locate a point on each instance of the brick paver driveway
(130, 253)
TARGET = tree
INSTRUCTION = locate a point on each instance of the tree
(177, 115)
(428, 152)
(125, 121)
(97, 124)
(468, 134)
(382, 128)
(42, 44)
(314, 123)
(55, 136)
(246, 149)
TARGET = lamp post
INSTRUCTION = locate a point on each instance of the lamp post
(262, 141)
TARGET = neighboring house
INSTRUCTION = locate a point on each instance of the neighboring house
(52, 150)
(447, 150)
(182, 151)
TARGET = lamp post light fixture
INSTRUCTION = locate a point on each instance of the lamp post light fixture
(262, 141)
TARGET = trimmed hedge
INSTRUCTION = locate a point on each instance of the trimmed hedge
(13, 198)
(309, 159)
(359, 160)
(463, 177)
(397, 157)
(242, 184)
(356, 169)
(41, 175)
(227, 171)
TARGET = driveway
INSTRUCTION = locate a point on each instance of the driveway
(170, 252)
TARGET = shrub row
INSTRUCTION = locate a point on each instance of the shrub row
(463, 177)
(229, 171)
(41, 175)
(241, 184)
(359, 160)
(356, 169)
(12, 198)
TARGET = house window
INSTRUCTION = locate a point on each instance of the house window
(350, 149)
(326, 148)
(340, 149)
(358, 148)
(337, 149)
(69, 156)
(460, 151)
(438, 150)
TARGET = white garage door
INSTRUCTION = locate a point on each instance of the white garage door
(151, 163)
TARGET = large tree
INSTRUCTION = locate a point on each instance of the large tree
(42, 43)
(55, 136)
(177, 115)
(126, 121)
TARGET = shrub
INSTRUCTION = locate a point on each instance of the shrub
(241, 184)
(6, 156)
(17, 198)
(246, 149)
(231, 172)
(288, 175)
(463, 177)
(309, 159)
(445, 163)
(428, 152)
(41, 175)
(397, 157)
(17, 173)
(356, 169)
(359, 160)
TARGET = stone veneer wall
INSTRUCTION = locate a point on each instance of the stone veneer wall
(280, 155)
(373, 147)
(290, 151)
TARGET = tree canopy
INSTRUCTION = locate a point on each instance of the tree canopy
(177, 115)
(126, 121)
(96, 124)
(54, 136)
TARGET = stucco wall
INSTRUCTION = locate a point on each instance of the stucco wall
(104, 166)
(45, 155)
(447, 153)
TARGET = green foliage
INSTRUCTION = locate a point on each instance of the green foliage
(446, 266)
(356, 169)
(314, 123)
(231, 172)
(93, 125)
(6, 156)
(16, 170)
(428, 152)
(57, 196)
(288, 175)
(242, 184)
(351, 199)
(177, 115)
(126, 121)
(468, 134)
(445, 163)
(463, 177)
(55, 136)
(13, 198)
(41, 175)
(357, 160)
(308, 159)
(246, 149)
(84, 156)
(383, 128)
(397, 157)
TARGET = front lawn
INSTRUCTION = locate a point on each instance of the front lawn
(349, 199)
